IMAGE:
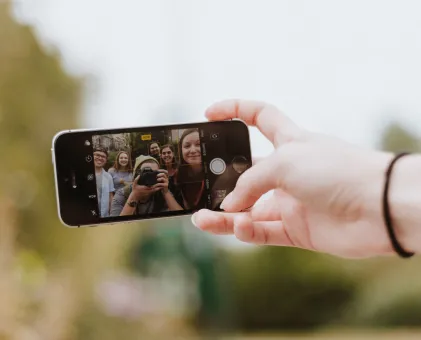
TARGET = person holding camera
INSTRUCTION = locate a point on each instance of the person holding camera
(147, 194)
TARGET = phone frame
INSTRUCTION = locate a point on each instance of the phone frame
(139, 220)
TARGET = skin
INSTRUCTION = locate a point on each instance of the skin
(167, 157)
(141, 193)
(123, 160)
(154, 148)
(325, 193)
(191, 149)
(100, 158)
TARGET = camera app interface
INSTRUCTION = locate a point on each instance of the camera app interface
(142, 173)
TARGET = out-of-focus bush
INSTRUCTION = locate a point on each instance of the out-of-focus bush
(285, 288)
(396, 138)
(387, 295)
(47, 271)
(37, 99)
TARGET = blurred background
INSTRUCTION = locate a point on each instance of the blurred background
(348, 68)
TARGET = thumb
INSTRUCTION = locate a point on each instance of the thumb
(251, 185)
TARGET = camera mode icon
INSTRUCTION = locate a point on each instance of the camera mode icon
(214, 136)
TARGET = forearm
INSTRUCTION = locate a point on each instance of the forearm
(127, 209)
(171, 202)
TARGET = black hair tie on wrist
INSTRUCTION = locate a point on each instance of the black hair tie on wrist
(386, 210)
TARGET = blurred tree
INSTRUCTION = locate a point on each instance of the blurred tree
(37, 99)
(60, 265)
(396, 138)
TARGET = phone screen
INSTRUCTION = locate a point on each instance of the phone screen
(107, 176)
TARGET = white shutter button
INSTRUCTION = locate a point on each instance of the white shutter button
(217, 166)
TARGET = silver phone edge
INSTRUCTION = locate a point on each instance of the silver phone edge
(53, 156)
(109, 223)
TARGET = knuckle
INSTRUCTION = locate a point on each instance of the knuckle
(265, 239)
(245, 234)
(225, 225)
(242, 237)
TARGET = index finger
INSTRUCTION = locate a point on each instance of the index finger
(276, 126)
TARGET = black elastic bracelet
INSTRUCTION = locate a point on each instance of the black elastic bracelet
(386, 211)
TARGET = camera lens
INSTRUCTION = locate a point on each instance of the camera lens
(214, 135)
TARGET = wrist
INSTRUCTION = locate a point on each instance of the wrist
(133, 197)
(405, 202)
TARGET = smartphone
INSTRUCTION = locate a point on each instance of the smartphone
(130, 174)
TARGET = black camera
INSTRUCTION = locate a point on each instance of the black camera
(148, 177)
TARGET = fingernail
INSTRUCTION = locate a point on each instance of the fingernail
(193, 220)
(226, 201)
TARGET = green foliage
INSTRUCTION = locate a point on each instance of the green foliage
(284, 288)
(111, 159)
(396, 138)
(405, 312)
(37, 99)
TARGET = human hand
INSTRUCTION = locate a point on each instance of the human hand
(326, 192)
(140, 192)
(162, 184)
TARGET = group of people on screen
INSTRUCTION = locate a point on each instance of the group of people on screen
(178, 182)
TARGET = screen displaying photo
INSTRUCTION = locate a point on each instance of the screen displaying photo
(143, 173)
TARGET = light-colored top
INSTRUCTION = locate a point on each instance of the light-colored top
(119, 176)
(105, 186)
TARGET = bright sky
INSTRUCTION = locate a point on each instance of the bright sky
(340, 67)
